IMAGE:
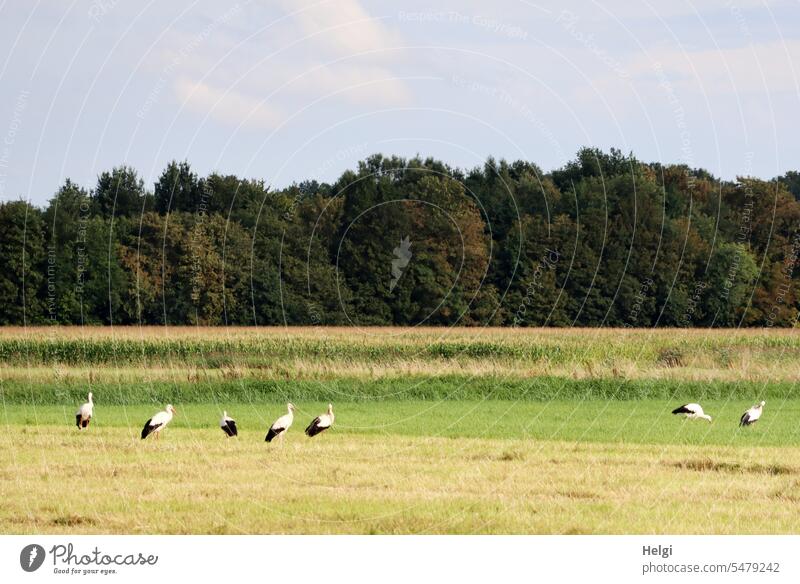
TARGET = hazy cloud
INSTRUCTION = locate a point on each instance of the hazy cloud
(226, 105)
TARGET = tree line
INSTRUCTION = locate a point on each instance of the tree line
(606, 240)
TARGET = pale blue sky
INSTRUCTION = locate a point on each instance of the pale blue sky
(291, 90)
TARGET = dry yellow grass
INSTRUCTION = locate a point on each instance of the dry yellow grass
(393, 334)
(195, 481)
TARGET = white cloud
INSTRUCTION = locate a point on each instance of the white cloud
(342, 26)
(226, 105)
(284, 66)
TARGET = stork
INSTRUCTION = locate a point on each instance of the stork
(281, 425)
(752, 415)
(320, 423)
(84, 414)
(692, 411)
(228, 425)
(158, 422)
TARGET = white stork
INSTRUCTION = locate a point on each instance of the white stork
(281, 425)
(158, 422)
(692, 411)
(84, 414)
(320, 423)
(752, 415)
(228, 425)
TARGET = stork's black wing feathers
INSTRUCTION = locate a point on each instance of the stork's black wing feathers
(314, 428)
(78, 420)
(272, 433)
(232, 428)
(310, 429)
(745, 421)
(682, 410)
(148, 429)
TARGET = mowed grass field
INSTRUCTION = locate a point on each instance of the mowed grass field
(465, 431)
